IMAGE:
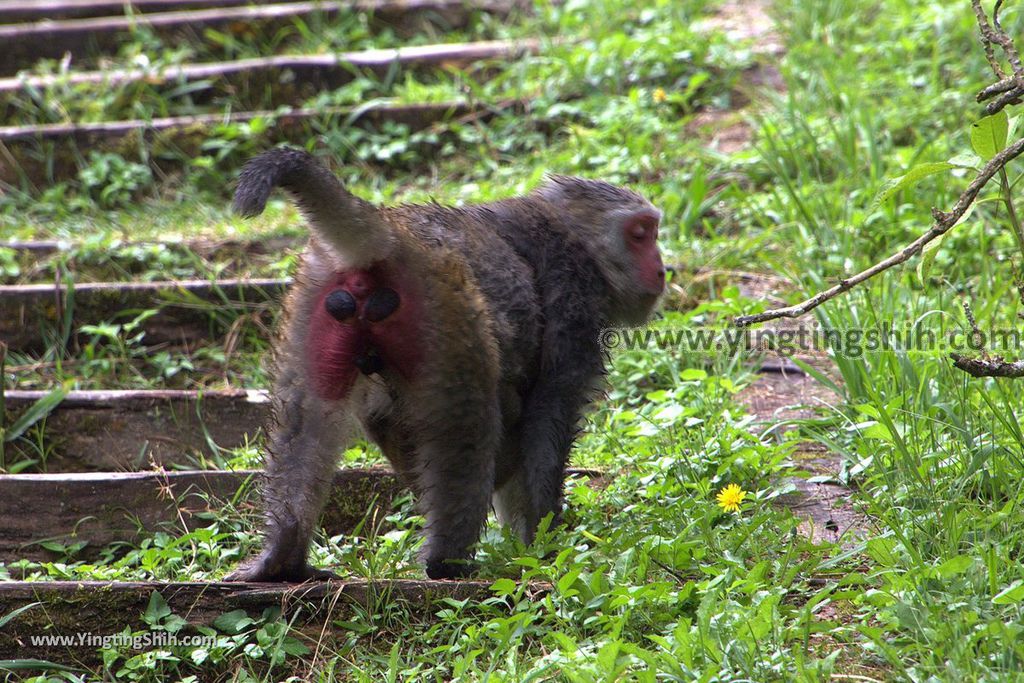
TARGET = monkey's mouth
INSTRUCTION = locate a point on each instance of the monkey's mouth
(654, 290)
(650, 301)
(651, 298)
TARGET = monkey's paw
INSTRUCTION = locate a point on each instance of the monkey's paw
(261, 570)
(442, 568)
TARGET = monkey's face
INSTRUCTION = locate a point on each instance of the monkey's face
(640, 236)
(639, 278)
(620, 228)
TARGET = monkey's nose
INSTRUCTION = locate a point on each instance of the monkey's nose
(340, 304)
(382, 303)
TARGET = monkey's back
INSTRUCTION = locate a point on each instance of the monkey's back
(505, 279)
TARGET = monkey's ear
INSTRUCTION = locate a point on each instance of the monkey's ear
(556, 187)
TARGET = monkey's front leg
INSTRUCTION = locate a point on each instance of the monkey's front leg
(571, 362)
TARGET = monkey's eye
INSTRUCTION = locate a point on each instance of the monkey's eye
(639, 232)
(641, 228)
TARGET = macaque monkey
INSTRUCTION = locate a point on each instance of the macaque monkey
(463, 341)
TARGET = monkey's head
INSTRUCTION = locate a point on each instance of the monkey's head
(620, 228)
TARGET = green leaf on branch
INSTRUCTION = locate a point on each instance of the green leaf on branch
(966, 160)
(912, 176)
(988, 135)
(924, 266)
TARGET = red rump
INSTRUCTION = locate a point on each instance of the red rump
(334, 347)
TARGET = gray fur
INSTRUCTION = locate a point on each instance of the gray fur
(515, 294)
(346, 223)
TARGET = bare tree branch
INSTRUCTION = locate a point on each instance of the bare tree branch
(986, 40)
(943, 222)
(1004, 100)
(988, 367)
(1005, 41)
(1009, 88)
(1008, 83)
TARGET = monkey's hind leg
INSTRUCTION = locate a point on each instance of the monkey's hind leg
(300, 472)
(457, 429)
(454, 482)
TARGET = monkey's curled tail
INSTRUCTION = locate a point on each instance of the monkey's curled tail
(352, 226)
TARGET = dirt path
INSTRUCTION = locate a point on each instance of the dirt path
(777, 398)
(727, 130)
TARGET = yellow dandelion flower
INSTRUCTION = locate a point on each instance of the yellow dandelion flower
(730, 497)
(659, 95)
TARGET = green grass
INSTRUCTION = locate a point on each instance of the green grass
(565, 130)
(652, 581)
